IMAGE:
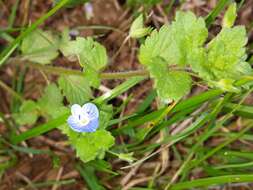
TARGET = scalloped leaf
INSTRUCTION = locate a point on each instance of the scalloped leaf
(40, 47)
(75, 88)
(89, 146)
(176, 42)
(91, 54)
(170, 85)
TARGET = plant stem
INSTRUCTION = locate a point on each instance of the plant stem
(99, 27)
(126, 74)
(64, 71)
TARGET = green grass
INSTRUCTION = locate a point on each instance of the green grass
(212, 115)
(221, 4)
(11, 48)
(207, 182)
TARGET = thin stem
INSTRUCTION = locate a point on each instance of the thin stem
(120, 48)
(106, 75)
(126, 74)
(99, 27)
(64, 71)
(112, 153)
(53, 69)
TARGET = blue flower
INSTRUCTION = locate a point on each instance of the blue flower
(85, 118)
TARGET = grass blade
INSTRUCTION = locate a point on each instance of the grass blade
(215, 12)
(213, 181)
(88, 174)
(40, 129)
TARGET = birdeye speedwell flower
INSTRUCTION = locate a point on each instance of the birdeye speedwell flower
(85, 118)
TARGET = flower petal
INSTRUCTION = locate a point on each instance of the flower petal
(74, 124)
(91, 126)
(92, 110)
(76, 109)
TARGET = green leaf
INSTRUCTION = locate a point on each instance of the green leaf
(51, 102)
(156, 45)
(171, 85)
(223, 61)
(92, 56)
(92, 76)
(70, 48)
(87, 50)
(75, 88)
(230, 16)
(225, 85)
(40, 47)
(72, 135)
(175, 43)
(49, 106)
(28, 113)
(89, 146)
(137, 29)
(181, 44)
(226, 54)
(93, 145)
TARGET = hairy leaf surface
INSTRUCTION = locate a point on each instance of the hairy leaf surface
(75, 88)
(40, 47)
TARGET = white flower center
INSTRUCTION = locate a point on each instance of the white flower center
(84, 120)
